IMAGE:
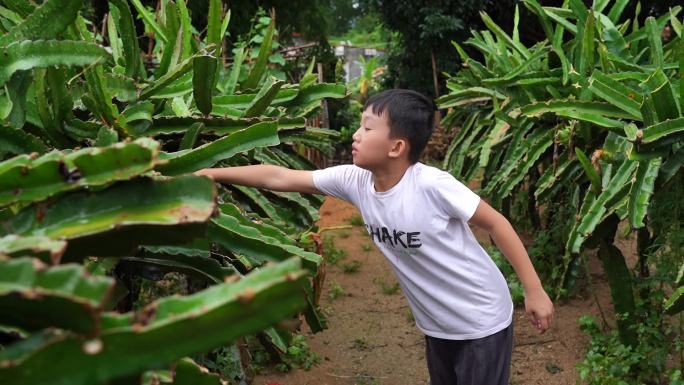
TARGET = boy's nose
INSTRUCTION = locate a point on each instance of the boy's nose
(356, 135)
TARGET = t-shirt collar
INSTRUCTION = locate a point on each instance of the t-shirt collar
(396, 187)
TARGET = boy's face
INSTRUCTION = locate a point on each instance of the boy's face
(372, 144)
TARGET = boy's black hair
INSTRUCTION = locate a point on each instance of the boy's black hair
(410, 115)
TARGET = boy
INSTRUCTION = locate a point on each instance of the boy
(416, 215)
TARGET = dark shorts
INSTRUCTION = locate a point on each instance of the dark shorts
(481, 361)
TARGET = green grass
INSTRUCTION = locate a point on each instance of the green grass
(351, 267)
(332, 253)
(360, 344)
(386, 287)
(367, 247)
(355, 220)
(336, 290)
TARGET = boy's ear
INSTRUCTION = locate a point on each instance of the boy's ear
(399, 148)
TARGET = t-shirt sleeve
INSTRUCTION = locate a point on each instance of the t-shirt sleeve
(453, 197)
(338, 181)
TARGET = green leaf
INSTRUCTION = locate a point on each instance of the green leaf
(190, 136)
(669, 127)
(186, 27)
(259, 67)
(503, 36)
(598, 208)
(315, 93)
(26, 55)
(536, 149)
(243, 101)
(168, 78)
(675, 304)
(214, 26)
(188, 372)
(204, 81)
(231, 81)
(200, 267)
(23, 179)
(14, 141)
(172, 50)
(217, 126)
(113, 34)
(660, 102)
(616, 94)
(129, 40)
(589, 170)
(150, 21)
(585, 60)
(653, 33)
(228, 232)
(680, 54)
(264, 98)
(138, 212)
(106, 137)
(34, 297)
(43, 248)
(642, 190)
(249, 305)
(207, 155)
(616, 10)
(587, 107)
(517, 149)
(99, 101)
(46, 22)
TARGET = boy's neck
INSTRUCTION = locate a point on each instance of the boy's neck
(387, 177)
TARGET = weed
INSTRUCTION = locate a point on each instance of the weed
(332, 253)
(386, 287)
(351, 267)
(298, 355)
(361, 344)
(336, 290)
(409, 316)
(355, 220)
(366, 247)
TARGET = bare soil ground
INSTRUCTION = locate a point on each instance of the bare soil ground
(372, 338)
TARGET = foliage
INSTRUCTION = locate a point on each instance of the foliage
(609, 361)
(336, 290)
(590, 118)
(351, 267)
(97, 139)
(423, 30)
(355, 220)
(525, 91)
(332, 254)
(387, 288)
(299, 355)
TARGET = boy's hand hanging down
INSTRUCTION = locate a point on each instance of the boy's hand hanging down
(539, 309)
(538, 305)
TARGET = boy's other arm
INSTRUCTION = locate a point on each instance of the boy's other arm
(264, 176)
(538, 305)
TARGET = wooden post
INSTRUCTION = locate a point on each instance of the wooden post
(325, 123)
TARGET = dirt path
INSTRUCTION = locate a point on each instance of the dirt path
(372, 338)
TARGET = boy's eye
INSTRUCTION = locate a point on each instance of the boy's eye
(366, 128)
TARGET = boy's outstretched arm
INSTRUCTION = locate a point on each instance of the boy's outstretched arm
(538, 305)
(264, 176)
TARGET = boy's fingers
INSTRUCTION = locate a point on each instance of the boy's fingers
(539, 322)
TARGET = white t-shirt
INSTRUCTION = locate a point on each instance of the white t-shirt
(452, 285)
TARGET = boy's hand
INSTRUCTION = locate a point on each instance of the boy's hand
(539, 309)
(204, 172)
